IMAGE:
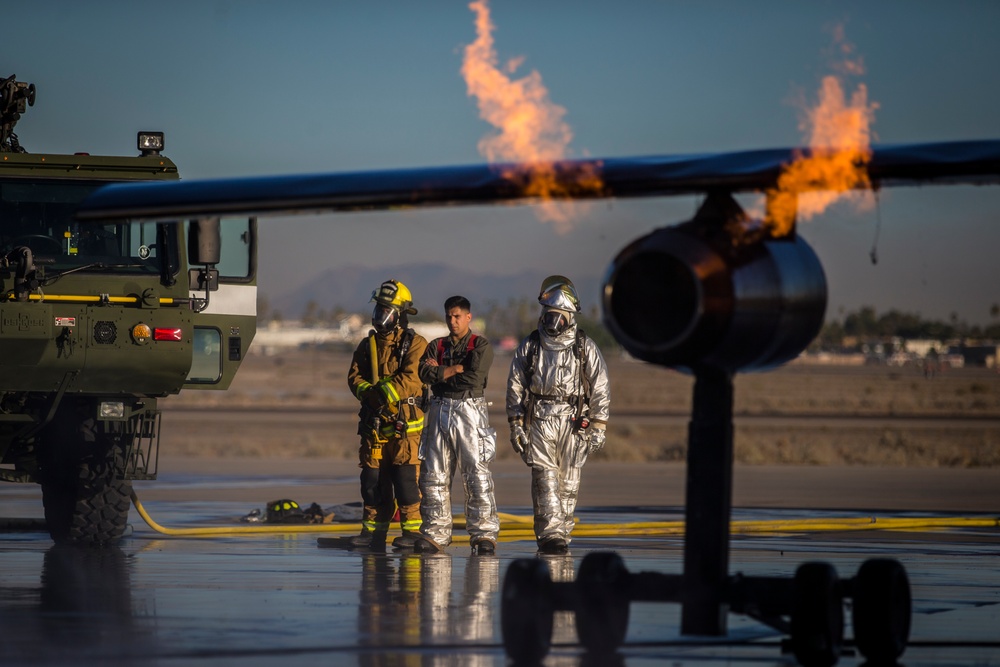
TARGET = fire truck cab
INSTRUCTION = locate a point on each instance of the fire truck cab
(99, 319)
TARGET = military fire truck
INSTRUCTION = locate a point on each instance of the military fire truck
(99, 319)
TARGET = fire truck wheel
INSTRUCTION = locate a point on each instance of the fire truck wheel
(526, 610)
(817, 623)
(88, 508)
(602, 617)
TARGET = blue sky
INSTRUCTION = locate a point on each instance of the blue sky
(253, 87)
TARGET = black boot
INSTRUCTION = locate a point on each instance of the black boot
(553, 545)
(369, 538)
(363, 539)
(406, 540)
(426, 545)
(484, 546)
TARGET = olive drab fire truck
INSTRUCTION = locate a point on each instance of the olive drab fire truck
(99, 319)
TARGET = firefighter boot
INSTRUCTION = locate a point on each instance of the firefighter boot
(406, 540)
(553, 545)
(368, 538)
(427, 546)
(484, 546)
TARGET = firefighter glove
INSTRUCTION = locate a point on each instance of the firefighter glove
(518, 438)
(597, 436)
(372, 399)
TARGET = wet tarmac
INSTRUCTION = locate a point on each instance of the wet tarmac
(281, 600)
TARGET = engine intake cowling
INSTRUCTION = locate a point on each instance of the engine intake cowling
(701, 295)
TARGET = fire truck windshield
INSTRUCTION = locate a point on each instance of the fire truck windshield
(40, 216)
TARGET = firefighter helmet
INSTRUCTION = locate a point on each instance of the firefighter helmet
(284, 511)
(559, 292)
(392, 301)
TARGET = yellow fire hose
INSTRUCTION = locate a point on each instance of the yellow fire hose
(514, 527)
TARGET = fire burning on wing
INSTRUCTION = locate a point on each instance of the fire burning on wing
(533, 137)
(839, 136)
(532, 131)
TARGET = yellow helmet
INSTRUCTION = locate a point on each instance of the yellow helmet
(559, 292)
(395, 294)
(392, 300)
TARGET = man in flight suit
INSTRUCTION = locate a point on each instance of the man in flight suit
(458, 433)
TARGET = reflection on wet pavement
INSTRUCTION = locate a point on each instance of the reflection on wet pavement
(267, 600)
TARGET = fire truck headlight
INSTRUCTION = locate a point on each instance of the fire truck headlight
(111, 410)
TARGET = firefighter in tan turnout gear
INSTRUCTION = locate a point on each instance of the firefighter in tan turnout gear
(458, 435)
(558, 401)
(383, 377)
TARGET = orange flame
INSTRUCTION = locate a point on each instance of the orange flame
(532, 129)
(839, 136)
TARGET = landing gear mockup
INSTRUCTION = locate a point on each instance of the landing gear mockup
(812, 601)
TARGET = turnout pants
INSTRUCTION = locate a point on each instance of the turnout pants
(457, 434)
(389, 483)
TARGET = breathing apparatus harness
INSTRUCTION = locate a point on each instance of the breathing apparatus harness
(374, 419)
(581, 421)
(440, 347)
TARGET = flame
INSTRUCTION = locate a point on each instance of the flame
(532, 129)
(838, 132)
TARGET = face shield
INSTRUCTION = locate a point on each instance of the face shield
(554, 322)
(559, 297)
(384, 318)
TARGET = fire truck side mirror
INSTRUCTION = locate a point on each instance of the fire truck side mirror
(204, 242)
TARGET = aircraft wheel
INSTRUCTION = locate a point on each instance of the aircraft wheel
(526, 610)
(881, 610)
(602, 617)
(817, 623)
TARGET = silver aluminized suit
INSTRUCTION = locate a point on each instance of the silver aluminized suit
(457, 432)
(556, 452)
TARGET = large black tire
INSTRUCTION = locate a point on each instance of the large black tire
(526, 610)
(86, 501)
(90, 510)
(602, 617)
(881, 610)
(817, 621)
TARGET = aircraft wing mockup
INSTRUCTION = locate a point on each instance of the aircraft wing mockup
(949, 163)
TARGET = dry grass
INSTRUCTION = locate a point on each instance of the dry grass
(849, 415)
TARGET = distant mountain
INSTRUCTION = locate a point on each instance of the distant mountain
(351, 287)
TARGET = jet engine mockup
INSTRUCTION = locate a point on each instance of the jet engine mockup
(715, 292)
